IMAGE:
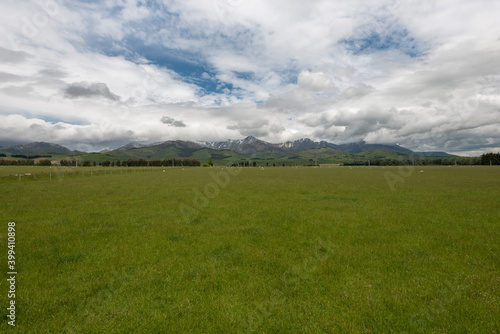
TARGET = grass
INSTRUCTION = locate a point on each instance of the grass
(282, 250)
(11, 173)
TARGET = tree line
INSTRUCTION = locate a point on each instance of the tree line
(490, 159)
(134, 163)
(485, 159)
(30, 156)
(17, 162)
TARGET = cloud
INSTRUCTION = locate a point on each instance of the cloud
(357, 92)
(12, 57)
(8, 77)
(423, 74)
(52, 73)
(87, 137)
(77, 90)
(172, 122)
(315, 82)
(261, 129)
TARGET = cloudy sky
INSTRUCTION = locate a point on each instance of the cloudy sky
(92, 74)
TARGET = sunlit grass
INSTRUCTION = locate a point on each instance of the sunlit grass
(276, 250)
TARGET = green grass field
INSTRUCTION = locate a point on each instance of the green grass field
(251, 250)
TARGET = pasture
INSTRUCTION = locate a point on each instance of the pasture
(251, 250)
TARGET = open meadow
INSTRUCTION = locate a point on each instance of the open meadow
(253, 250)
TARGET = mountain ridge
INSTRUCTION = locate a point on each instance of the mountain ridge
(252, 145)
(34, 148)
(248, 146)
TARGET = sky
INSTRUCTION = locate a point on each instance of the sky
(93, 75)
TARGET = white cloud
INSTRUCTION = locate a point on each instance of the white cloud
(316, 82)
(423, 74)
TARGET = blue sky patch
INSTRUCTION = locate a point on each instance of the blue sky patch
(373, 41)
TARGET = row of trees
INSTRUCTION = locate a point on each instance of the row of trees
(30, 156)
(28, 162)
(17, 162)
(424, 162)
(485, 159)
(27, 156)
(490, 159)
(134, 163)
(44, 162)
(163, 163)
(245, 164)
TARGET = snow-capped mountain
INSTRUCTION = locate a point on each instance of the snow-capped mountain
(133, 145)
(249, 145)
(305, 144)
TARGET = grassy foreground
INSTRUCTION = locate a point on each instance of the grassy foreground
(274, 250)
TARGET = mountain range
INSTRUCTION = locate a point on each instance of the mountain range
(231, 150)
(33, 148)
(251, 145)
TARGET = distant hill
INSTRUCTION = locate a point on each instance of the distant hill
(362, 146)
(132, 145)
(305, 144)
(256, 151)
(302, 151)
(168, 149)
(252, 145)
(249, 145)
(435, 154)
(36, 147)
